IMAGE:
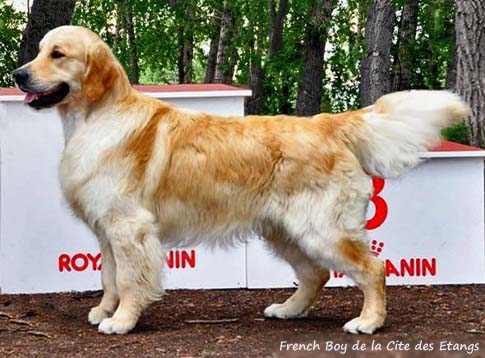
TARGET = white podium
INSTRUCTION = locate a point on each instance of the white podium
(428, 226)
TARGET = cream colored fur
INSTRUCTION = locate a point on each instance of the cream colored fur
(140, 172)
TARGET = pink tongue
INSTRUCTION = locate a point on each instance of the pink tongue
(30, 97)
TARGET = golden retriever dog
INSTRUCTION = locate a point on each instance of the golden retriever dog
(142, 173)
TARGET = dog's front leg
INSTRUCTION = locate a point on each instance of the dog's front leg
(110, 299)
(137, 252)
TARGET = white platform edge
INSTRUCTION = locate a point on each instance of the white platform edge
(457, 154)
(175, 94)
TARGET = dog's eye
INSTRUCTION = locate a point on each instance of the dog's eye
(57, 54)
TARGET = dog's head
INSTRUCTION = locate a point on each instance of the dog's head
(73, 63)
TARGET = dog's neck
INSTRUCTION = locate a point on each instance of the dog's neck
(81, 110)
(71, 120)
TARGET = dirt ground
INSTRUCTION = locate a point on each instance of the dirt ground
(449, 319)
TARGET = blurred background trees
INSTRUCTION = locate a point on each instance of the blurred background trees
(298, 56)
(43, 16)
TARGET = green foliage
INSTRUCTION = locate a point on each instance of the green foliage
(457, 133)
(160, 23)
(155, 27)
(283, 70)
(11, 23)
(434, 43)
(345, 48)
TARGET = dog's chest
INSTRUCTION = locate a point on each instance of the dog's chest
(82, 157)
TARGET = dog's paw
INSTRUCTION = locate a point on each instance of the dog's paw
(363, 325)
(97, 314)
(284, 311)
(116, 326)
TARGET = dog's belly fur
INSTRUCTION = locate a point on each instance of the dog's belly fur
(236, 215)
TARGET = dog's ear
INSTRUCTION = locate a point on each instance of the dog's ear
(101, 71)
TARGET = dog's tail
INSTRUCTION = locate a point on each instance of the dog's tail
(401, 125)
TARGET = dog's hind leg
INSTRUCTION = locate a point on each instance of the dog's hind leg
(110, 299)
(328, 225)
(334, 236)
(368, 272)
(311, 279)
(352, 257)
(137, 251)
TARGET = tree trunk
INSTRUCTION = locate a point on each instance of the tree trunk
(376, 64)
(185, 55)
(225, 38)
(309, 95)
(188, 58)
(406, 40)
(470, 64)
(119, 25)
(211, 60)
(130, 30)
(285, 102)
(185, 38)
(188, 43)
(433, 59)
(44, 16)
(276, 31)
(257, 73)
(256, 80)
(213, 47)
(228, 73)
(181, 54)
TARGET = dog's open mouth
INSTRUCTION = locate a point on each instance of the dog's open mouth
(40, 100)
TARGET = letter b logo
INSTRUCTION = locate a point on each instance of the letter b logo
(380, 205)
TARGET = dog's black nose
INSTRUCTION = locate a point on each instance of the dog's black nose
(21, 76)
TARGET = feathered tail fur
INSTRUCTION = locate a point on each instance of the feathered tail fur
(401, 125)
